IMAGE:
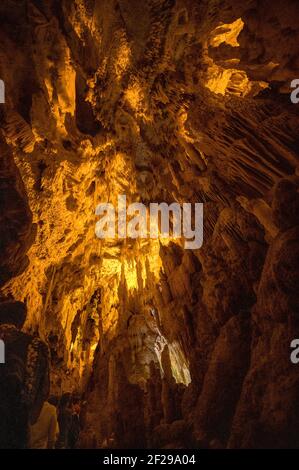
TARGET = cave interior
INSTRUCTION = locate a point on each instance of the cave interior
(183, 101)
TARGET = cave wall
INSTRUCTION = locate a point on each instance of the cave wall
(166, 101)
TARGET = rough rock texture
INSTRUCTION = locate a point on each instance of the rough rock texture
(160, 100)
(16, 230)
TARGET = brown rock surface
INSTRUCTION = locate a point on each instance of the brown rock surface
(161, 100)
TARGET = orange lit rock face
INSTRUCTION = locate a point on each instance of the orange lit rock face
(173, 101)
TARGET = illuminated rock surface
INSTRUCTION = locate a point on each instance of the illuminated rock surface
(159, 100)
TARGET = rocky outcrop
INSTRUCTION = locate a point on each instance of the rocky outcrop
(16, 230)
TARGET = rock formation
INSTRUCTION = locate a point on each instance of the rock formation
(160, 100)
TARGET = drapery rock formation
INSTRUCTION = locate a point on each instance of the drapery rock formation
(160, 100)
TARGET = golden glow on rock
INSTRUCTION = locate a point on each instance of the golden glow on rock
(224, 76)
(227, 33)
(123, 59)
(179, 365)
